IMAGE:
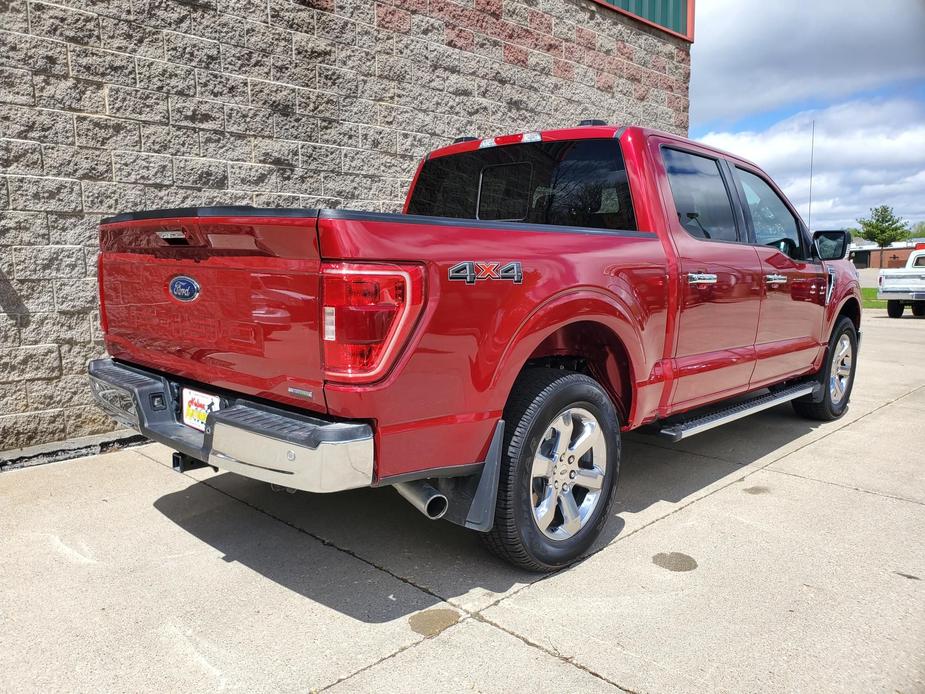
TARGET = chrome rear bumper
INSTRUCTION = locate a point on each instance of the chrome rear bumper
(901, 295)
(265, 443)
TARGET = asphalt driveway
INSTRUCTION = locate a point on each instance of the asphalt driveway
(774, 554)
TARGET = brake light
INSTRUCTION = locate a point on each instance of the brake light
(368, 313)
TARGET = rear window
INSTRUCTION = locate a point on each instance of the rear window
(576, 183)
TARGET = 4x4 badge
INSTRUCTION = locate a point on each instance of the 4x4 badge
(471, 271)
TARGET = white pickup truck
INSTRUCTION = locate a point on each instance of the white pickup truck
(904, 286)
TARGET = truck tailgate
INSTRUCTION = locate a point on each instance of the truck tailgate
(904, 280)
(227, 300)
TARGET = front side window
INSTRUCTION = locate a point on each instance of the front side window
(772, 220)
(701, 199)
(579, 183)
(919, 262)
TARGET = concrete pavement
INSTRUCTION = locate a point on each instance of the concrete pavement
(773, 554)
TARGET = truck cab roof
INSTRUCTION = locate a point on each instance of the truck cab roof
(581, 132)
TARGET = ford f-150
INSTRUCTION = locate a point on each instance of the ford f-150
(482, 351)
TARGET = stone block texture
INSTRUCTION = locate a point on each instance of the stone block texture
(113, 105)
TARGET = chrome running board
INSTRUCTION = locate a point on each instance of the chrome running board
(677, 430)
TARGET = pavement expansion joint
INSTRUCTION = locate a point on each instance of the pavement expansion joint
(390, 656)
(849, 487)
(550, 652)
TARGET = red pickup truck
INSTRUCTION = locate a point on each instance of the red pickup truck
(482, 351)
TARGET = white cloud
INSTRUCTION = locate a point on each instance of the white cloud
(867, 153)
(753, 56)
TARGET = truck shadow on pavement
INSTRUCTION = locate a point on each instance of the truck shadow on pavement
(330, 548)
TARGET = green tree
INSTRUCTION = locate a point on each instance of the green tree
(856, 233)
(918, 230)
(883, 227)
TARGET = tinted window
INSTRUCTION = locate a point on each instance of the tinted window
(919, 262)
(505, 191)
(575, 183)
(772, 220)
(700, 196)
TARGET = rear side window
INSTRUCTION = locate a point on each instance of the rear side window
(575, 183)
(919, 262)
(701, 199)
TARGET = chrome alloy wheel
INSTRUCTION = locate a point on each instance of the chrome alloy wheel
(568, 473)
(841, 370)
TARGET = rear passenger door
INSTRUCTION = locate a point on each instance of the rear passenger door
(795, 283)
(720, 274)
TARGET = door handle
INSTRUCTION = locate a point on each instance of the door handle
(775, 279)
(701, 278)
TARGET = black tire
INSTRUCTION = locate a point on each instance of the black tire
(894, 309)
(918, 308)
(538, 398)
(829, 408)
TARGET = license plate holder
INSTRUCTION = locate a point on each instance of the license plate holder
(196, 407)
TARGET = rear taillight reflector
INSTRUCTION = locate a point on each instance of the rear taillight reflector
(330, 322)
(368, 314)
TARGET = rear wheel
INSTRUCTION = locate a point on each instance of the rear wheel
(894, 309)
(558, 472)
(837, 375)
(918, 308)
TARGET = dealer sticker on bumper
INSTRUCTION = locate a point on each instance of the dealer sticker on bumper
(197, 406)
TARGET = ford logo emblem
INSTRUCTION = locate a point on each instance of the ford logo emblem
(183, 288)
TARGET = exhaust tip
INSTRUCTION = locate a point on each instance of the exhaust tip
(424, 498)
(436, 507)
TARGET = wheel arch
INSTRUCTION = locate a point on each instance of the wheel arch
(593, 349)
(851, 308)
(588, 332)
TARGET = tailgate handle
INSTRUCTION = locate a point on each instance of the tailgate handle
(173, 237)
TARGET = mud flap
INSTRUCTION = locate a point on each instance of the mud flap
(473, 498)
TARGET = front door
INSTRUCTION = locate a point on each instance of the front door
(721, 279)
(792, 313)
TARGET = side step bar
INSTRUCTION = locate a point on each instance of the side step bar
(686, 428)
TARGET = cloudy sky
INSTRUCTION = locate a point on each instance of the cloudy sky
(762, 72)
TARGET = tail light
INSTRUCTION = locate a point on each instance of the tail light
(104, 319)
(368, 313)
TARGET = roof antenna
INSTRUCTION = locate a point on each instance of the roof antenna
(812, 151)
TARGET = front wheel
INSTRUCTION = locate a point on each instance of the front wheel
(558, 472)
(837, 375)
(894, 309)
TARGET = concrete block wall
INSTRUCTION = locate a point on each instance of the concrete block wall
(115, 105)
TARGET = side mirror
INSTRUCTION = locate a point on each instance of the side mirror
(831, 245)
